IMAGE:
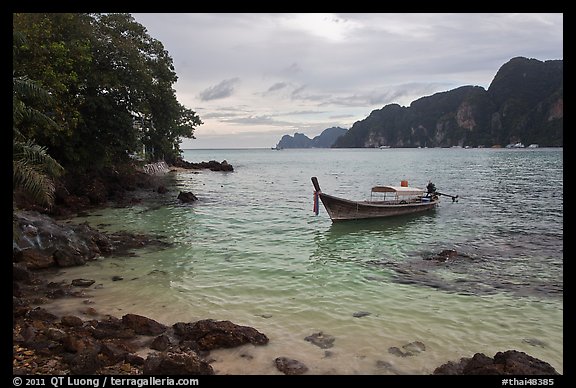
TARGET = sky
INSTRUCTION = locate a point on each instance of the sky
(253, 78)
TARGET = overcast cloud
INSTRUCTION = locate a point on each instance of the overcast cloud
(254, 77)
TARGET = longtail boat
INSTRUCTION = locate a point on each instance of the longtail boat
(394, 201)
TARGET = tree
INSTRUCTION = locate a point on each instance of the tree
(113, 86)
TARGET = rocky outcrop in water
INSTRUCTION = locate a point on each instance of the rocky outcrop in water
(187, 197)
(41, 242)
(510, 362)
(210, 334)
(211, 165)
(323, 341)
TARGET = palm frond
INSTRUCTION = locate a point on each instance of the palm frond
(29, 114)
(36, 184)
(25, 88)
(32, 154)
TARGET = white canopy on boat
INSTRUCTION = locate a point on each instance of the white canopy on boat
(399, 190)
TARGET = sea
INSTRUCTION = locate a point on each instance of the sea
(252, 251)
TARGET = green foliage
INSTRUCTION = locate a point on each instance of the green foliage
(112, 84)
(33, 170)
(32, 167)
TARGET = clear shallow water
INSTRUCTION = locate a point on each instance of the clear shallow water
(252, 251)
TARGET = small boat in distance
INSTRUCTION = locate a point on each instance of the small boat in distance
(397, 200)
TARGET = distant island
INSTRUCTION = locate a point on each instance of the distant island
(325, 140)
(524, 104)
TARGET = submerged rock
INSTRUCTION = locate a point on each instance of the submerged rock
(361, 314)
(187, 197)
(82, 282)
(323, 341)
(410, 349)
(444, 255)
(290, 366)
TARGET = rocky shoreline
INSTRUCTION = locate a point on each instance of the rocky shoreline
(44, 343)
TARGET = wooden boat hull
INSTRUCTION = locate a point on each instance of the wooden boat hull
(340, 209)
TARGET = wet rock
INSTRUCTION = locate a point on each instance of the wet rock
(113, 352)
(82, 282)
(68, 245)
(410, 349)
(68, 258)
(111, 327)
(211, 165)
(535, 342)
(77, 343)
(444, 255)
(210, 334)
(71, 321)
(90, 311)
(170, 363)
(21, 273)
(143, 325)
(117, 278)
(387, 367)
(84, 363)
(397, 352)
(361, 314)
(187, 197)
(162, 190)
(323, 341)
(161, 343)
(290, 366)
(41, 314)
(510, 362)
(55, 334)
(134, 359)
(414, 347)
(34, 258)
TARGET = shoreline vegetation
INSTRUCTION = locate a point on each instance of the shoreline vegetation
(93, 344)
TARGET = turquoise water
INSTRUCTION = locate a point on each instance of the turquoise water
(252, 251)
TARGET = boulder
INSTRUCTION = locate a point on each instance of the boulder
(290, 366)
(210, 334)
(143, 325)
(170, 363)
(323, 341)
(187, 197)
(510, 362)
(34, 258)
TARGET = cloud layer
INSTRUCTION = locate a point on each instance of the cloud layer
(279, 73)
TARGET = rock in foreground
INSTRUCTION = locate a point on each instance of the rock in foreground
(210, 334)
(510, 362)
(290, 366)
